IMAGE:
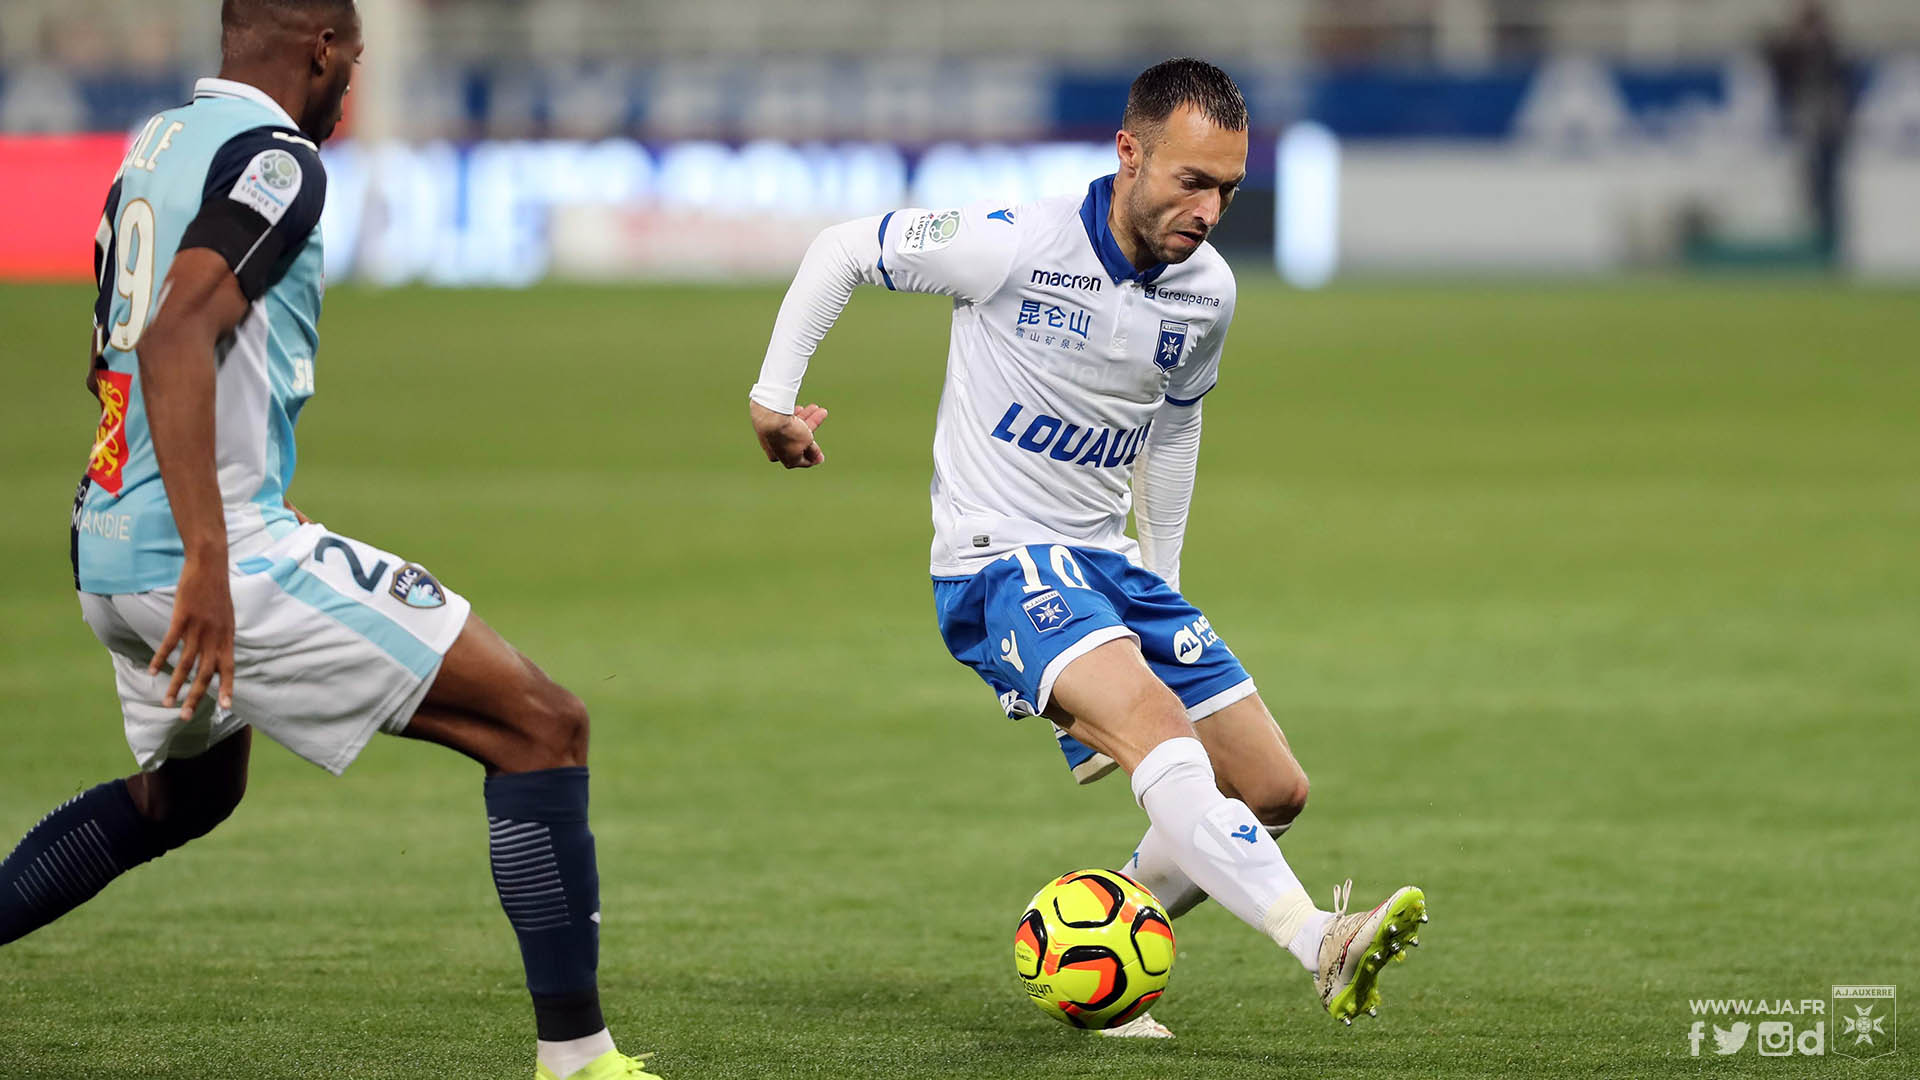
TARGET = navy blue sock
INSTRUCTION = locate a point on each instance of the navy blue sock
(543, 866)
(70, 856)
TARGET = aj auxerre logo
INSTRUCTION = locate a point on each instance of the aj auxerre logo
(1863, 1017)
(1084, 282)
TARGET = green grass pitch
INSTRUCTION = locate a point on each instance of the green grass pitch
(1593, 609)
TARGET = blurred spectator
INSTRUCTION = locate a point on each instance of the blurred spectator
(1816, 95)
(40, 98)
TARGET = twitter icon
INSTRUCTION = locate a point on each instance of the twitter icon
(1730, 1042)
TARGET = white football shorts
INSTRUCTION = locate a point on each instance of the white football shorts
(333, 640)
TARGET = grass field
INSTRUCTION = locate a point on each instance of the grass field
(1595, 610)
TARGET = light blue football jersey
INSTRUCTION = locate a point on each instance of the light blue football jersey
(228, 171)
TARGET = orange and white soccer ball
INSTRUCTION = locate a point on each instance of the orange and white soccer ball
(1094, 949)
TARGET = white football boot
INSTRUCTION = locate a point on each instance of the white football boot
(1143, 1026)
(1358, 947)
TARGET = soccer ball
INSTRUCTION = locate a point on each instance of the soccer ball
(1094, 949)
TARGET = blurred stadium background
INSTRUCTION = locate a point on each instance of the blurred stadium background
(1570, 532)
(503, 141)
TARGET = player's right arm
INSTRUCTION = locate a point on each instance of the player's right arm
(263, 195)
(959, 253)
(200, 303)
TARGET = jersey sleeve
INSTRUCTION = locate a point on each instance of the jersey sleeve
(264, 192)
(964, 254)
(1192, 380)
(961, 253)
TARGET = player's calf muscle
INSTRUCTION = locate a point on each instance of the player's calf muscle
(1253, 761)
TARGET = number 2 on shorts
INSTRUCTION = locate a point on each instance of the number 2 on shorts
(365, 580)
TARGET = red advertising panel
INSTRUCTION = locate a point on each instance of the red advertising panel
(52, 190)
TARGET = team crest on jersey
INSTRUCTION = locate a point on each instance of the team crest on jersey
(108, 464)
(416, 588)
(1173, 341)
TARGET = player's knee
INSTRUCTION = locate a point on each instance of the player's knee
(559, 727)
(201, 815)
(1280, 799)
(183, 812)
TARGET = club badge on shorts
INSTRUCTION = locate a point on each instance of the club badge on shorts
(416, 588)
(1048, 611)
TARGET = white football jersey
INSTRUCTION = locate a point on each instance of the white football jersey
(1061, 355)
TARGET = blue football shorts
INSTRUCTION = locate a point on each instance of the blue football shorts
(1019, 621)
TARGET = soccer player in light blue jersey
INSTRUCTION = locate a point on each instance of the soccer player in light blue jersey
(224, 609)
(1086, 331)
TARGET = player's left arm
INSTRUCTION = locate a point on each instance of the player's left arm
(1163, 480)
(1164, 474)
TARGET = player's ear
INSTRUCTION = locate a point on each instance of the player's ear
(1129, 151)
(323, 50)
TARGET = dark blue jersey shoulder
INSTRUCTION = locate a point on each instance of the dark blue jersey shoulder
(264, 192)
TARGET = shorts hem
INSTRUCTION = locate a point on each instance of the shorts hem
(393, 714)
(402, 702)
(1097, 767)
(1234, 694)
(1092, 640)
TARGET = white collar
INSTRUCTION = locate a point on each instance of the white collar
(227, 88)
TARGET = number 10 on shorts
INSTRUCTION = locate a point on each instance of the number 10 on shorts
(1062, 561)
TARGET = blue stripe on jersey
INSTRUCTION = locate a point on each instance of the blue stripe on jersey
(882, 264)
(1171, 400)
(389, 636)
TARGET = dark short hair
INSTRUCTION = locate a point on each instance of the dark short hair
(240, 16)
(1183, 80)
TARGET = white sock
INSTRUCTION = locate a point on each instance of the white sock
(1152, 865)
(569, 1057)
(1217, 842)
(1305, 945)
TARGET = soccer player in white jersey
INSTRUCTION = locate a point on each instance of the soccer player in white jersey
(1086, 331)
(223, 609)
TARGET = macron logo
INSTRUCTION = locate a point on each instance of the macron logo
(1083, 282)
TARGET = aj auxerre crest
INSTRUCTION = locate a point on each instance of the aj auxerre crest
(1173, 341)
(1048, 611)
(1864, 1020)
